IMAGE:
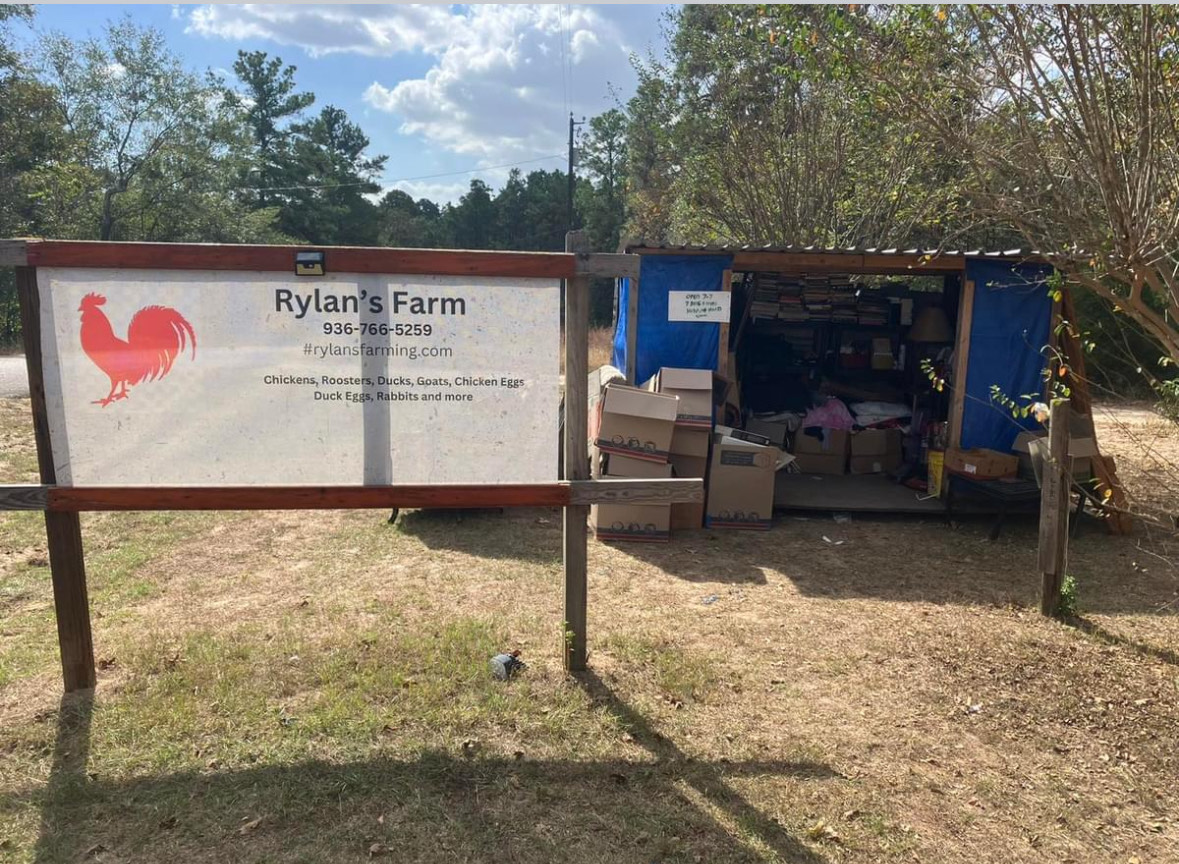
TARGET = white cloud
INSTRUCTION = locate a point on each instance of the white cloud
(503, 77)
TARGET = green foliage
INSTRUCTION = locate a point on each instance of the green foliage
(1067, 607)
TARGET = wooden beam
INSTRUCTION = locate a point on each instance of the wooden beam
(632, 333)
(606, 264)
(1054, 509)
(14, 253)
(71, 499)
(576, 516)
(961, 363)
(63, 531)
(338, 259)
(17, 497)
(722, 342)
(636, 491)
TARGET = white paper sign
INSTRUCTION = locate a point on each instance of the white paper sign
(212, 378)
(698, 306)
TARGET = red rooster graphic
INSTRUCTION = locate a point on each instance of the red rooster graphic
(155, 337)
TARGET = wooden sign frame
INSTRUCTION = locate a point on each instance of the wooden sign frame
(574, 493)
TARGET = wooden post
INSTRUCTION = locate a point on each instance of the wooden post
(1054, 509)
(63, 530)
(961, 363)
(632, 332)
(722, 342)
(576, 547)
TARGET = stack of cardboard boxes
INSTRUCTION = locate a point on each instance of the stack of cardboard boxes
(631, 436)
(665, 429)
(690, 437)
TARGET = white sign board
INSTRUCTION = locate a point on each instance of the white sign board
(195, 378)
(698, 306)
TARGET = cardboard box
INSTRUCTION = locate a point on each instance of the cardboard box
(741, 484)
(981, 464)
(598, 379)
(875, 451)
(690, 442)
(1082, 448)
(642, 523)
(688, 466)
(828, 455)
(775, 431)
(614, 465)
(687, 517)
(693, 387)
(743, 435)
(636, 423)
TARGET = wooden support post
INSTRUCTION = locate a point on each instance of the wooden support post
(1054, 509)
(722, 342)
(961, 363)
(632, 332)
(576, 548)
(63, 530)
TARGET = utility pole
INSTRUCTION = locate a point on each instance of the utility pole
(569, 215)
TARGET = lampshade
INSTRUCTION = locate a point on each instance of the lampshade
(931, 325)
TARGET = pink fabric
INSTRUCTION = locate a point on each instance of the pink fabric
(831, 415)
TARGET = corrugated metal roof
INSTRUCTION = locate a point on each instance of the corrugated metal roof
(729, 249)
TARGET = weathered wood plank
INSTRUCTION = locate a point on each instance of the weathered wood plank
(961, 363)
(16, 497)
(575, 518)
(62, 530)
(606, 264)
(338, 259)
(635, 491)
(1054, 509)
(632, 332)
(14, 253)
(66, 499)
(722, 342)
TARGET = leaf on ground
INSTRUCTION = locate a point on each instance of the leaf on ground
(821, 831)
(247, 827)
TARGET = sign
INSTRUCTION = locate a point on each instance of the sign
(175, 378)
(699, 306)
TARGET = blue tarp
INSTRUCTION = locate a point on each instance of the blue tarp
(678, 344)
(1010, 327)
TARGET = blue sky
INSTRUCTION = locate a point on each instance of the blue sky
(438, 89)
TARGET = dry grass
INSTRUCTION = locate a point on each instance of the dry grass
(314, 687)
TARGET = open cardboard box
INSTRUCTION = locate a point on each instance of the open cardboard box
(694, 387)
(741, 483)
(635, 423)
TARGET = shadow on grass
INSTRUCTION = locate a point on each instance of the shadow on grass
(1092, 628)
(530, 534)
(663, 806)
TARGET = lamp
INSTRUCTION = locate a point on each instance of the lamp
(931, 325)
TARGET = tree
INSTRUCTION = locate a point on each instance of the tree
(334, 174)
(147, 150)
(472, 220)
(741, 138)
(271, 108)
(1066, 117)
(602, 202)
(402, 221)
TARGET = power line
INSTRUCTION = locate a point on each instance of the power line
(399, 179)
